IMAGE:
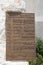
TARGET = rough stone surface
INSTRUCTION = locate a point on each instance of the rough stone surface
(20, 36)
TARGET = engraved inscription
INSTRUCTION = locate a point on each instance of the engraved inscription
(20, 36)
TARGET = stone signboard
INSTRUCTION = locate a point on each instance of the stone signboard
(20, 36)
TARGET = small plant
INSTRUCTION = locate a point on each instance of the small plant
(37, 61)
(32, 62)
(39, 46)
(39, 53)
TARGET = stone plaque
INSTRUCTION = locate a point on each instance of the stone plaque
(20, 36)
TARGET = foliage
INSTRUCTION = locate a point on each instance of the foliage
(32, 62)
(39, 46)
(39, 52)
(37, 61)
